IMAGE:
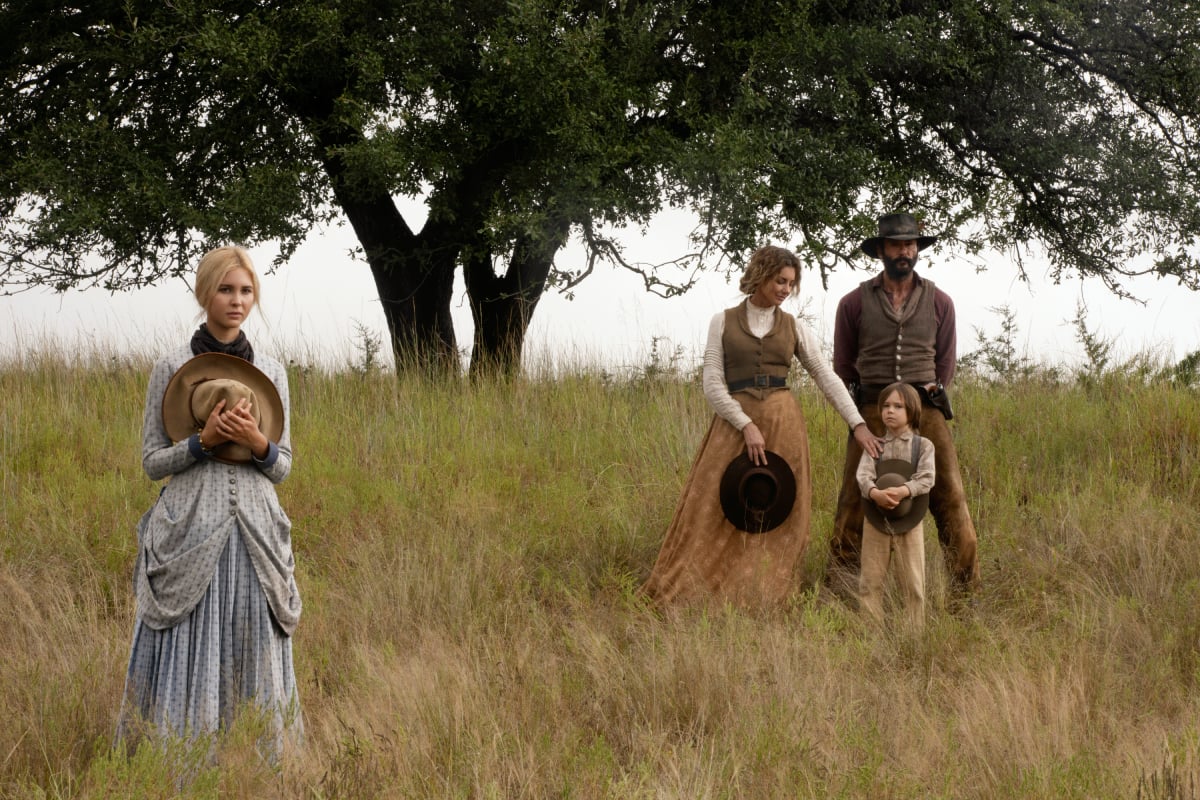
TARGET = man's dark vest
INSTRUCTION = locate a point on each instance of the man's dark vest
(747, 356)
(895, 347)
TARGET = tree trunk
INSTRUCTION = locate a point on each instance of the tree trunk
(503, 305)
(415, 289)
(414, 273)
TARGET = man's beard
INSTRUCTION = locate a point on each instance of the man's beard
(898, 268)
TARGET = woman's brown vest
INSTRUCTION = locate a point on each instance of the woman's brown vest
(747, 356)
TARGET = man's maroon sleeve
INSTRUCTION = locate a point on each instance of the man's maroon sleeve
(845, 336)
(946, 344)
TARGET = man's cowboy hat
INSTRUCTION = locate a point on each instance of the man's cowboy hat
(200, 383)
(757, 498)
(902, 227)
(905, 516)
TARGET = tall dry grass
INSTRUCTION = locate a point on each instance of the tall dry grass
(469, 555)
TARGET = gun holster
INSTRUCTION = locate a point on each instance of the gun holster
(939, 398)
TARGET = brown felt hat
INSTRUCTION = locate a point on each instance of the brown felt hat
(757, 498)
(905, 516)
(202, 382)
(900, 226)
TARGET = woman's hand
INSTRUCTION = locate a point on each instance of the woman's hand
(211, 435)
(756, 445)
(871, 444)
(238, 425)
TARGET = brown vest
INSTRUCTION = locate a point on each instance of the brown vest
(746, 355)
(895, 346)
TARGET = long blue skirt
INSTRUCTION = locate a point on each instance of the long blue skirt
(192, 679)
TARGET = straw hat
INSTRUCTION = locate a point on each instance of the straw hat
(757, 498)
(202, 382)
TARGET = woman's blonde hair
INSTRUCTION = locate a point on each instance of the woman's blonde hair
(912, 402)
(213, 268)
(765, 263)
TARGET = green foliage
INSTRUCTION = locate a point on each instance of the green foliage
(134, 135)
(664, 362)
(997, 360)
(1096, 349)
(368, 345)
(1186, 372)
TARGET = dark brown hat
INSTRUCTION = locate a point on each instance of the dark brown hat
(901, 227)
(757, 498)
(911, 510)
(200, 383)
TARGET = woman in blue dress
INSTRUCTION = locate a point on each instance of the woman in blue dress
(217, 601)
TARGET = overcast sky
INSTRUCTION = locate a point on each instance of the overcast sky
(313, 309)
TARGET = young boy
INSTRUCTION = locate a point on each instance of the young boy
(896, 487)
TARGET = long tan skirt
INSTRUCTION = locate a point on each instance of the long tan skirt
(704, 555)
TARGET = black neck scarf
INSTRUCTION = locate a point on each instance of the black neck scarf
(205, 342)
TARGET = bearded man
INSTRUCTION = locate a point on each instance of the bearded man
(894, 327)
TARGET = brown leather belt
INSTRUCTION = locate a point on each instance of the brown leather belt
(758, 382)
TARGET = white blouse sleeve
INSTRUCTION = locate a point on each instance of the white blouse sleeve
(716, 390)
(808, 351)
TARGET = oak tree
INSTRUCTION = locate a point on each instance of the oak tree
(135, 134)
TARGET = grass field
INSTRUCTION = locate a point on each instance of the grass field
(469, 554)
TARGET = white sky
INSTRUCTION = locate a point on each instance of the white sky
(313, 307)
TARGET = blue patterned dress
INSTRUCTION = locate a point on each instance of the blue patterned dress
(216, 594)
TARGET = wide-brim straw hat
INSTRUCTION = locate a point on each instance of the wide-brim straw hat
(757, 498)
(901, 227)
(905, 516)
(198, 385)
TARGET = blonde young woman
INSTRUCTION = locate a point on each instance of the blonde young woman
(746, 364)
(216, 596)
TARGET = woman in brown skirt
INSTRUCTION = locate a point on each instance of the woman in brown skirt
(746, 365)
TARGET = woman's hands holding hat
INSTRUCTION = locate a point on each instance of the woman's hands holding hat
(237, 425)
